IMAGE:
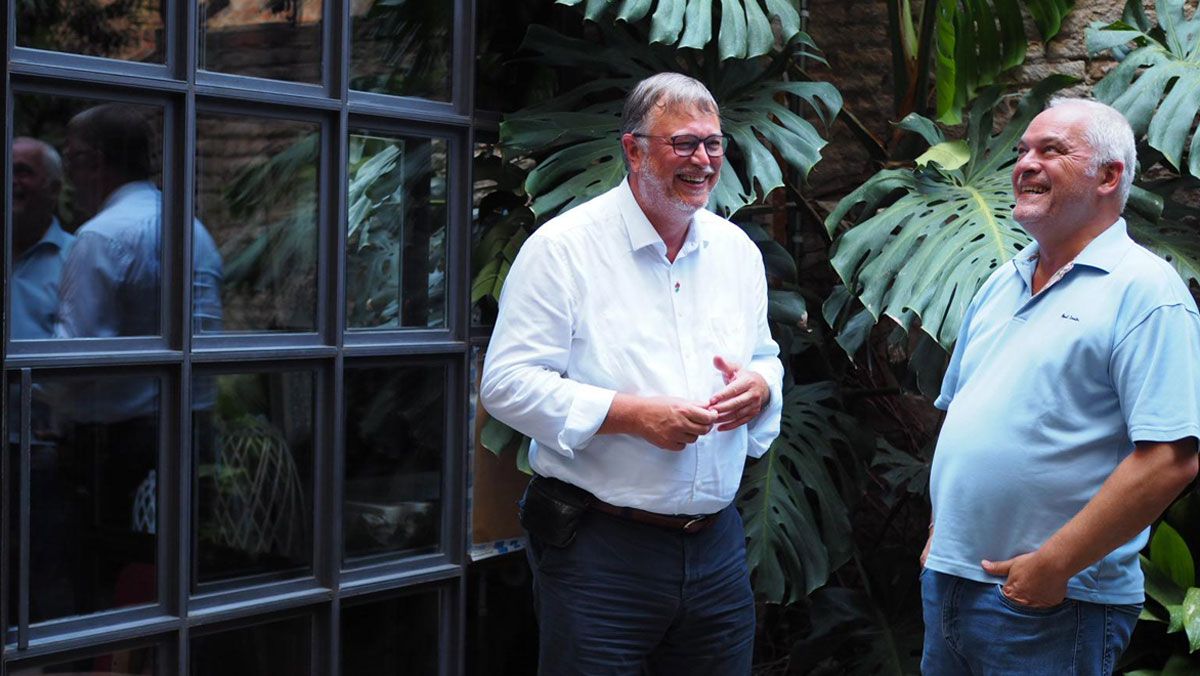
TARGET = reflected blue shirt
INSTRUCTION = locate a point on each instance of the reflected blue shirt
(35, 279)
(111, 285)
(1046, 395)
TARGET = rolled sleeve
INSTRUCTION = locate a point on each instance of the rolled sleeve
(765, 426)
(524, 383)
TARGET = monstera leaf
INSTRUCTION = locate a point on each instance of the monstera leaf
(580, 150)
(745, 25)
(925, 255)
(793, 543)
(977, 40)
(1157, 84)
(1159, 225)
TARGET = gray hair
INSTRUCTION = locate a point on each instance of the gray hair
(51, 160)
(1110, 137)
(664, 91)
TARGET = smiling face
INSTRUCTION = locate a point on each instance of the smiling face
(1055, 185)
(34, 192)
(664, 183)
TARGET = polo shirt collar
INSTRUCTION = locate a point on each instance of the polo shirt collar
(642, 234)
(54, 237)
(1102, 253)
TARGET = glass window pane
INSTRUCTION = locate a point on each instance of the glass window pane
(115, 663)
(93, 494)
(396, 232)
(119, 29)
(256, 191)
(395, 441)
(87, 218)
(280, 39)
(402, 47)
(396, 636)
(283, 647)
(254, 469)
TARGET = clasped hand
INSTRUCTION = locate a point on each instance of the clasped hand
(672, 423)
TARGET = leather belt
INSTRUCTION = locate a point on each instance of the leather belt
(680, 522)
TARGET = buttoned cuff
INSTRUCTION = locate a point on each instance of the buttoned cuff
(589, 408)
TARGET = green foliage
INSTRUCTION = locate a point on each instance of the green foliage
(1155, 85)
(745, 25)
(580, 152)
(923, 256)
(791, 545)
(1172, 596)
(977, 40)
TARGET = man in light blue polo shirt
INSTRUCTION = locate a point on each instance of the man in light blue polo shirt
(1073, 409)
(40, 245)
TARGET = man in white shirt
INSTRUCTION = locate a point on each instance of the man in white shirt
(632, 345)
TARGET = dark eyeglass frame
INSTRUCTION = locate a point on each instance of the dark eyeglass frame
(685, 145)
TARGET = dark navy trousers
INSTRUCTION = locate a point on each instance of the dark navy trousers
(626, 598)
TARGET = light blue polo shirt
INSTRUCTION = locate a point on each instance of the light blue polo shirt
(35, 278)
(1047, 394)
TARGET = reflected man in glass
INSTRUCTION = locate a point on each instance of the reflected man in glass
(40, 245)
(111, 285)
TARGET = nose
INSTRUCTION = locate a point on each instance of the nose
(1026, 163)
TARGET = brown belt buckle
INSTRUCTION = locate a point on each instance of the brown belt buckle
(695, 524)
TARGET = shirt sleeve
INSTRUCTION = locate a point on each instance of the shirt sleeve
(525, 383)
(1155, 368)
(765, 426)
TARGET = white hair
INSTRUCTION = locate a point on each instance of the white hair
(51, 160)
(1110, 137)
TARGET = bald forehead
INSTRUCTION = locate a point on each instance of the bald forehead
(1065, 123)
(38, 152)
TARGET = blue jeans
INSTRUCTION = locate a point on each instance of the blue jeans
(629, 599)
(973, 628)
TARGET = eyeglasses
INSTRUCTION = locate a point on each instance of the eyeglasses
(686, 144)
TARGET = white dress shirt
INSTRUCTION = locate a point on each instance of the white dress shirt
(592, 307)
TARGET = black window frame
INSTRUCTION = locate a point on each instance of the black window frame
(184, 90)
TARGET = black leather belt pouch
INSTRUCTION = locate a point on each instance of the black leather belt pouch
(551, 510)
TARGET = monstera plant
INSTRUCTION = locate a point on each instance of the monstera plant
(1155, 84)
(919, 259)
(576, 139)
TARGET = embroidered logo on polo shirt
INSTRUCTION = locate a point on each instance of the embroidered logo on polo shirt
(1071, 317)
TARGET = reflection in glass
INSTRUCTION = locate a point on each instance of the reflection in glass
(93, 494)
(500, 223)
(395, 441)
(396, 636)
(283, 647)
(396, 232)
(279, 40)
(109, 273)
(119, 29)
(256, 189)
(116, 663)
(402, 47)
(254, 475)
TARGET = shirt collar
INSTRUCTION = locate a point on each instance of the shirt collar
(127, 190)
(640, 231)
(54, 236)
(1102, 253)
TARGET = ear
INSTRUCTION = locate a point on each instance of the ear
(633, 151)
(1110, 177)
